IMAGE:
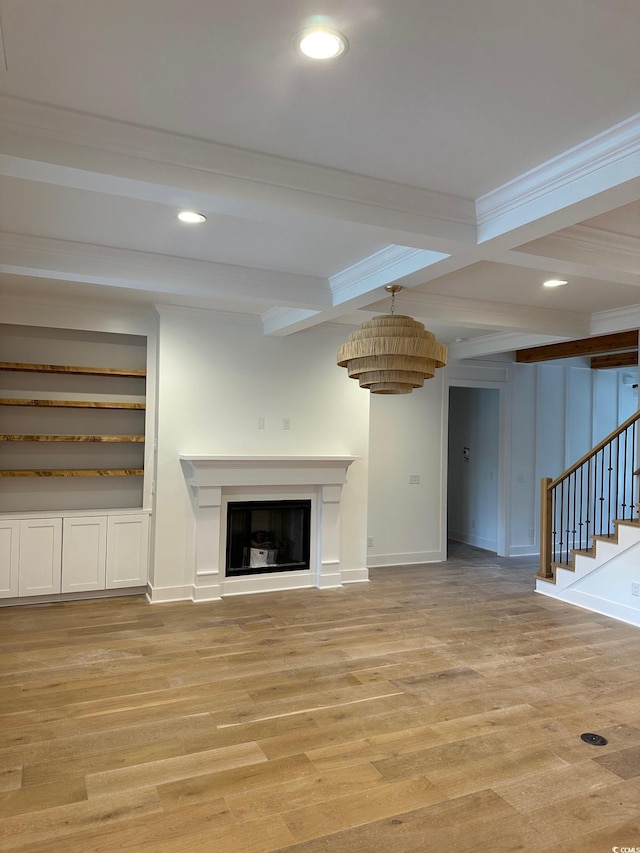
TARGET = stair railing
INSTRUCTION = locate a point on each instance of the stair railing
(584, 501)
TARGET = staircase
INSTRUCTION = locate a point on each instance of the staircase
(590, 531)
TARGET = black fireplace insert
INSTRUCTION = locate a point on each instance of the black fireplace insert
(268, 536)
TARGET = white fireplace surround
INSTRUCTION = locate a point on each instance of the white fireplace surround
(216, 480)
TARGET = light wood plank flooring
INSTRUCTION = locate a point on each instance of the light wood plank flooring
(438, 708)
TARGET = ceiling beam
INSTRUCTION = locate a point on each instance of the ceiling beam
(618, 342)
(623, 359)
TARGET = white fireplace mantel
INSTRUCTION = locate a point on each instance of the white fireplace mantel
(213, 479)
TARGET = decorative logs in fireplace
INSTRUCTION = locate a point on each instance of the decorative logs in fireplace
(268, 536)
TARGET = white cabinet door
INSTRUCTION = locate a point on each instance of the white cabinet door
(127, 550)
(40, 556)
(84, 550)
(9, 553)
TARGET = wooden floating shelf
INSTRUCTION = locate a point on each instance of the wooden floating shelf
(64, 368)
(125, 439)
(70, 404)
(71, 472)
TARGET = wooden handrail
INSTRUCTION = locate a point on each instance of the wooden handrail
(594, 450)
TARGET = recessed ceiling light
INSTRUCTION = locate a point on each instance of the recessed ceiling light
(191, 217)
(322, 43)
(554, 282)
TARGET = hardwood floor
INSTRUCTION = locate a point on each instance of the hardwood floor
(436, 708)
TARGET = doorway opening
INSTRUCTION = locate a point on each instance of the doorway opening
(473, 493)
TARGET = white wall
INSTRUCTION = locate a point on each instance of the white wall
(408, 435)
(216, 377)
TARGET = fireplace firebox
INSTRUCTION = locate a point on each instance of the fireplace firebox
(268, 536)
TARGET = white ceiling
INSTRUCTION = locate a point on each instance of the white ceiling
(466, 150)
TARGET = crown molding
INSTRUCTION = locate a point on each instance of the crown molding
(503, 342)
(379, 269)
(463, 311)
(208, 314)
(616, 320)
(267, 179)
(606, 160)
(287, 320)
(598, 240)
(65, 313)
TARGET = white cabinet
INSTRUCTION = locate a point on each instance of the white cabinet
(74, 553)
(127, 551)
(40, 557)
(84, 550)
(9, 555)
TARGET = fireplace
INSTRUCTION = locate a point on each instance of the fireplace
(217, 483)
(267, 536)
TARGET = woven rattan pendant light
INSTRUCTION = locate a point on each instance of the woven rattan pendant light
(392, 354)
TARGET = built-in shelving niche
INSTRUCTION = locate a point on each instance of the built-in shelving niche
(72, 419)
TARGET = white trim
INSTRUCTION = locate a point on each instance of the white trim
(616, 320)
(290, 319)
(523, 551)
(381, 268)
(475, 541)
(592, 603)
(409, 559)
(503, 342)
(608, 159)
(45, 257)
(598, 240)
(94, 595)
(221, 177)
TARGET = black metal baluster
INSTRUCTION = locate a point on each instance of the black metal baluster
(581, 522)
(609, 470)
(586, 541)
(601, 525)
(554, 507)
(574, 477)
(561, 517)
(625, 470)
(617, 482)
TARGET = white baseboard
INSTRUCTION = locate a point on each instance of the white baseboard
(410, 559)
(473, 540)
(596, 605)
(276, 582)
(523, 551)
(355, 575)
(165, 594)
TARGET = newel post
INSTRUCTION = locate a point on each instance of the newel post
(545, 528)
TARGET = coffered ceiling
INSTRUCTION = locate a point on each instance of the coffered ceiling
(466, 150)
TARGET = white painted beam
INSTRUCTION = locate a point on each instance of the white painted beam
(63, 260)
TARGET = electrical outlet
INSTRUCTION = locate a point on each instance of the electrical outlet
(635, 588)
(414, 479)
(260, 423)
(369, 541)
(286, 423)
